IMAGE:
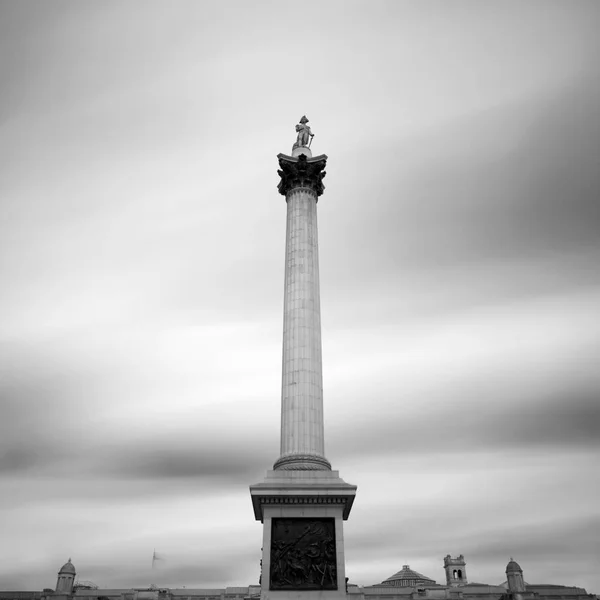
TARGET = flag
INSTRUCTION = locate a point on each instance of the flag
(156, 556)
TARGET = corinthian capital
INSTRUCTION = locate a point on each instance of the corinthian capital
(301, 172)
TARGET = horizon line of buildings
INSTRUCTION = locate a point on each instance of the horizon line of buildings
(406, 584)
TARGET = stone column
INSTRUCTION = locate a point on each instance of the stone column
(302, 502)
(302, 429)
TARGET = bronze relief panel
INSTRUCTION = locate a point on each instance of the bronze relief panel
(303, 554)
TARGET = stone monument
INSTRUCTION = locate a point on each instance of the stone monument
(302, 503)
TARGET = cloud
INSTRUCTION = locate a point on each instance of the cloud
(234, 461)
(490, 207)
(66, 394)
(566, 422)
(515, 373)
(143, 239)
(513, 180)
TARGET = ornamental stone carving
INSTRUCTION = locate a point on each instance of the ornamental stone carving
(301, 172)
(303, 555)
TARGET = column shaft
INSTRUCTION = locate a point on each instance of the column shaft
(302, 429)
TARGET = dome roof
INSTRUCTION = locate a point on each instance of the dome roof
(408, 577)
(67, 568)
(513, 566)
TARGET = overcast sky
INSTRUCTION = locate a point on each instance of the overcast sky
(142, 255)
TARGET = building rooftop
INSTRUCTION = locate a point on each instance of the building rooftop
(68, 568)
(513, 566)
(407, 576)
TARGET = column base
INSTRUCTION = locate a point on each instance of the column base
(303, 540)
(302, 462)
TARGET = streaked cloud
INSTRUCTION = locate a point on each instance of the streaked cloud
(141, 250)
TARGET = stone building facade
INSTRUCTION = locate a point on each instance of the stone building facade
(406, 584)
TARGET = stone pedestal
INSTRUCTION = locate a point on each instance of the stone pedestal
(303, 539)
(301, 150)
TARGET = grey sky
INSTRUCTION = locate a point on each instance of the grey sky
(141, 256)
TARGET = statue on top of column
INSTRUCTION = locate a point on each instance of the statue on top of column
(304, 134)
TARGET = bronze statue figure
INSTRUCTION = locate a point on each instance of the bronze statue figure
(304, 134)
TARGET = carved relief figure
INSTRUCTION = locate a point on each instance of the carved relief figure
(303, 554)
(304, 134)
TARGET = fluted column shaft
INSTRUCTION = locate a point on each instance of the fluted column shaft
(302, 427)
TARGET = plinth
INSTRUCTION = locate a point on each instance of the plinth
(302, 503)
(303, 536)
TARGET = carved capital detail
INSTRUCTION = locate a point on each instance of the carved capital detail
(301, 172)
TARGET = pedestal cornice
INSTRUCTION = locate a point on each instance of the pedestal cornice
(301, 172)
(313, 488)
